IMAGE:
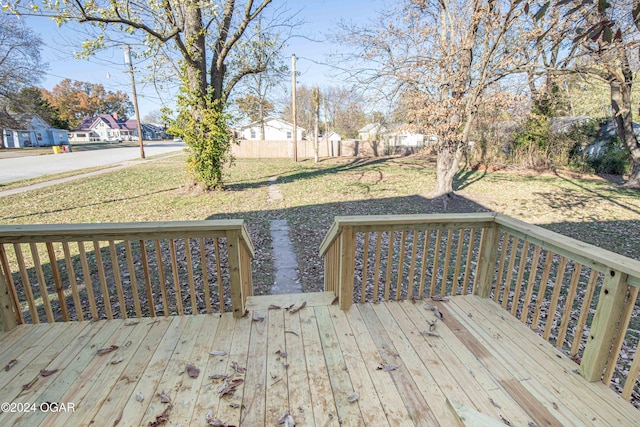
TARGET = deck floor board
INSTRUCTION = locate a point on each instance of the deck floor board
(484, 361)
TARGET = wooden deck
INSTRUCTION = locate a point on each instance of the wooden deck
(369, 365)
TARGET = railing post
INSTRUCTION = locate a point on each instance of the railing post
(487, 262)
(236, 276)
(347, 255)
(603, 326)
(7, 316)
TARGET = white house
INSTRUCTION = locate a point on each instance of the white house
(274, 130)
(30, 130)
(405, 138)
(105, 127)
(333, 137)
(371, 132)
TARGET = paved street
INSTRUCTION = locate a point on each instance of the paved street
(18, 168)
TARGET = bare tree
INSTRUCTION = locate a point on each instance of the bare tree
(443, 55)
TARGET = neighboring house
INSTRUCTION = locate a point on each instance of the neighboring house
(105, 127)
(405, 138)
(274, 130)
(152, 132)
(333, 137)
(30, 130)
(371, 132)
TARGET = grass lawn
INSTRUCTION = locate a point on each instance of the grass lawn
(592, 210)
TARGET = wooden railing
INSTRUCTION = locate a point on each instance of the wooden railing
(119, 270)
(581, 298)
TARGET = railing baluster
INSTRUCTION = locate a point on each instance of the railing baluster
(521, 268)
(132, 279)
(467, 267)
(632, 376)
(445, 264)
(44, 293)
(503, 256)
(216, 247)
(512, 262)
(403, 241)
(365, 261)
(115, 267)
(389, 265)
(26, 283)
(456, 271)
(436, 255)
(412, 268)
(425, 259)
(57, 280)
(161, 277)
(103, 280)
(557, 287)
(192, 285)
(72, 281)
(584, 312)
(88, 284)
(205, 275)
(376, 278)
(176, 278)
(573, 286)
(530, 284)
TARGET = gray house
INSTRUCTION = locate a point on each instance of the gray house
(30, 130)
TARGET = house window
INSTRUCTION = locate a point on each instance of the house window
(253, 133)
(288, 134)
(39, 136)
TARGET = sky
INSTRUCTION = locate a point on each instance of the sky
(107, 67)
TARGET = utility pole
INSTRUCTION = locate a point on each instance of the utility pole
(293, 108)
(127, 60)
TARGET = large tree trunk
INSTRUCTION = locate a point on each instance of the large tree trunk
(446, 167)
(196, 62)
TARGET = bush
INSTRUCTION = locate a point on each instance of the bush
(615, 160)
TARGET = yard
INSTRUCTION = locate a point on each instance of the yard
(587, 208)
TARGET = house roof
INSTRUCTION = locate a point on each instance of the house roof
(21, 121)
(87, 123)
(273, 122)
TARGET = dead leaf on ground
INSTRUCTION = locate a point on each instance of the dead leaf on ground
(218, 353)
(291, 331)
(274, 307)
(116, 361)
(286, 365)
(30, 384)
(353, 397)
(387, 368)
(219, 376)
(11, 364)
(164, 398)
(139, 397)
(258, 317)
(432, 325)
(131, 322)
(289, 307)
(239, 369)
(297, 309)
(162, 418)
(281, 353)
(215, 421)
(192, 371)
(246, 313)
(103, 351)
(440, 298)
(429, 334)
(286, 419)
(234, 405)
(229, 387)
(47, 372)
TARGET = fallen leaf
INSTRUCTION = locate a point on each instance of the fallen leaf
(218, 376)
(116, 361)
(437, 312)
(257, 317)
(131, 322)
(162, 418)
(30, 384)
(103, 351)
(234, 405)
(439, 298)
(291, 331)
(335, 301)
(289, 307)
(429, 334)
(139, 397)
(493, 402)
(286, 365)
(164, 398)
(47, 372)
(229, 387)
(192, 371)
(218, 353)
(281, 353)
(118, 419)
(432, 325)
(387, 368)
(246, 313)
(274, 307)
(11, 364)
(354, 397)
(239, 369)
(297, 309)
(286, 419)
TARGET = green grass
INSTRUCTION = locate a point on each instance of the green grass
(591, 210)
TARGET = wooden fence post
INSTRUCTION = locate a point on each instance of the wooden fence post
(7, 316)
(236, 275)
(347, 265)
(604, 325)
(487, 264)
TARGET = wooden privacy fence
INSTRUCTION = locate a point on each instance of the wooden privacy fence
(579, 297)
(119, 270)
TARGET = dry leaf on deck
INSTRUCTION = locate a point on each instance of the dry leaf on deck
(246, 313)
(164, 398)
(11, 364)
(229, 387)
(192, 371)
(131, 322)
(257, 317)
(28, 385)
(432, 325)
(139, 397)
(300, 307)
(218, 353)
(429, 334)
(103, 351)
(47, 372)
(281, 353)
(239, 369)
(354, 397)
(439, 298)
(116, 361)
(234, 405)
(219, 376)
(274, 307)
(162, 418)
(289, 307)
(215, 421)
(335, 301)
(117, 420)
(286, 419)
(291, 331)
(387, 368)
